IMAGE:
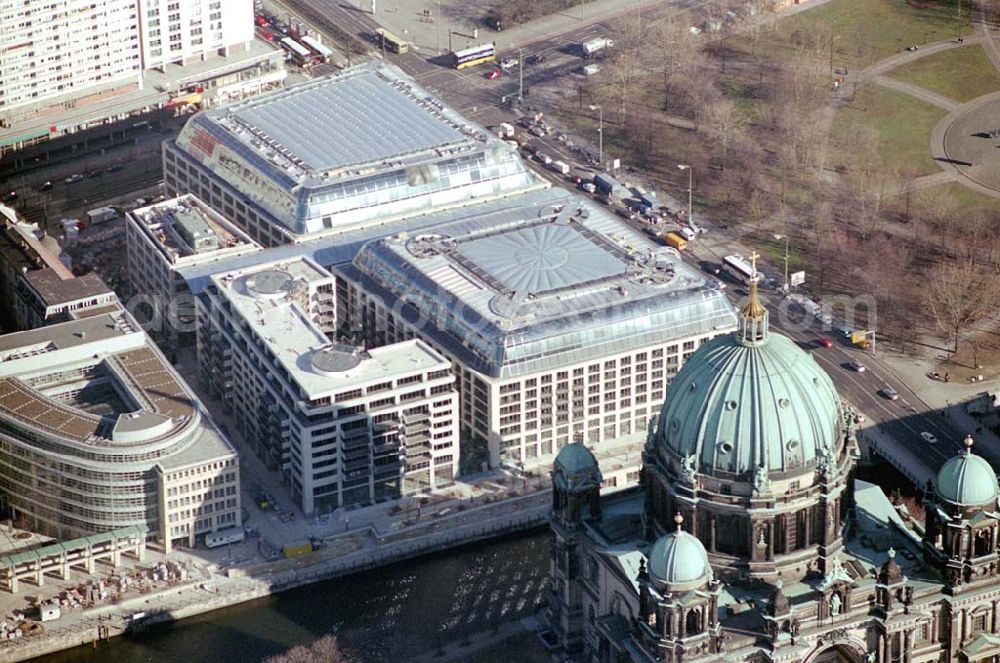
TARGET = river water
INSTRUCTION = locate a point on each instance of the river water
(383, 615)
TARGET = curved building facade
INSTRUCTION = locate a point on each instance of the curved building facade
(98, 432)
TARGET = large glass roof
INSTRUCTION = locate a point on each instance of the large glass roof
(541, 258)
(348, 120)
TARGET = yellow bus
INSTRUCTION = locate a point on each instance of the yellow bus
(390, 42)
(470, 57)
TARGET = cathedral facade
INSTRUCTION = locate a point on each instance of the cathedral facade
(746, 541)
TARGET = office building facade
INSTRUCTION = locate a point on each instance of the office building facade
(98, 432)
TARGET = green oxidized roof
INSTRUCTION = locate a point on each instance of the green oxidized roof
(679, 560)
(749, 399)
(967, 479)
(575, 467)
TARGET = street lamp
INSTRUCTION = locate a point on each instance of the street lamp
(687, 167)
(600, 133)
(784, 237)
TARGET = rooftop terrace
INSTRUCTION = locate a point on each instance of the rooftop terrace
(268, 299)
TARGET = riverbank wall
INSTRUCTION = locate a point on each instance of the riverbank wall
(251, 583)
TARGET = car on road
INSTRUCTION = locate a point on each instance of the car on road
(260, 20)
(889, 393)
(929, 438)
(493, 75)
(74, 178)
(825, 318)
(45, 186)
(509, 63)
(10, 197)
(687, 233)
(844, 331)
(856, 366)
(625, 213)
(267, 34)
(95, 174)
(537, 58)
(589, 187)
(825, 342)
(116, 167)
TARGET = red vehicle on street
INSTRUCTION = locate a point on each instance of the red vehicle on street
(495, 74)
(267, 34)
(260, 20)
(825, 342)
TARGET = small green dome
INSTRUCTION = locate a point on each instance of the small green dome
(739, 404)
(575, 468)
(967, 479)
(679, 561)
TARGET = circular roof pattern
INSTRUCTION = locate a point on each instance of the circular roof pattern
(547, 256)
(269, 282)
(334, 360)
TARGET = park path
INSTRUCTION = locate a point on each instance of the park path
(918, 92)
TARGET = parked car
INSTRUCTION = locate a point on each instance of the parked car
(856, 366)
(260, 20)
(929, 438)
(267, 34)
(889, 393)
(495, 74)
(74, 178)
(509, 63)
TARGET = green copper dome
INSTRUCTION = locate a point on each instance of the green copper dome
(967, 479)
(747, 400)
(575, 468)
(679, 561)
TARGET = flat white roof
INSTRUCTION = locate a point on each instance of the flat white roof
(267, 298)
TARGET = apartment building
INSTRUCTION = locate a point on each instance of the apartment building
(343, 425)
(183, 31)
(54, 48)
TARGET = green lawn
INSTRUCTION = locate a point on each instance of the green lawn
(960, 74)
(869, 30)
(903, 125)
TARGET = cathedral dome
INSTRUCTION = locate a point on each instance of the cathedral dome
(575, 468)
(748, 400)
(967, 479)
(679, 560)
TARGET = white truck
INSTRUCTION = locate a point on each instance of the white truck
(560, 167)
(101, 215)
(505, 130)
(593, 46)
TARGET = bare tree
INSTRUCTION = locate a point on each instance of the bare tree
(325, 650)
(959, 293)
(725, 122)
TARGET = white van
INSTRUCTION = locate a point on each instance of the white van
(687, 233)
